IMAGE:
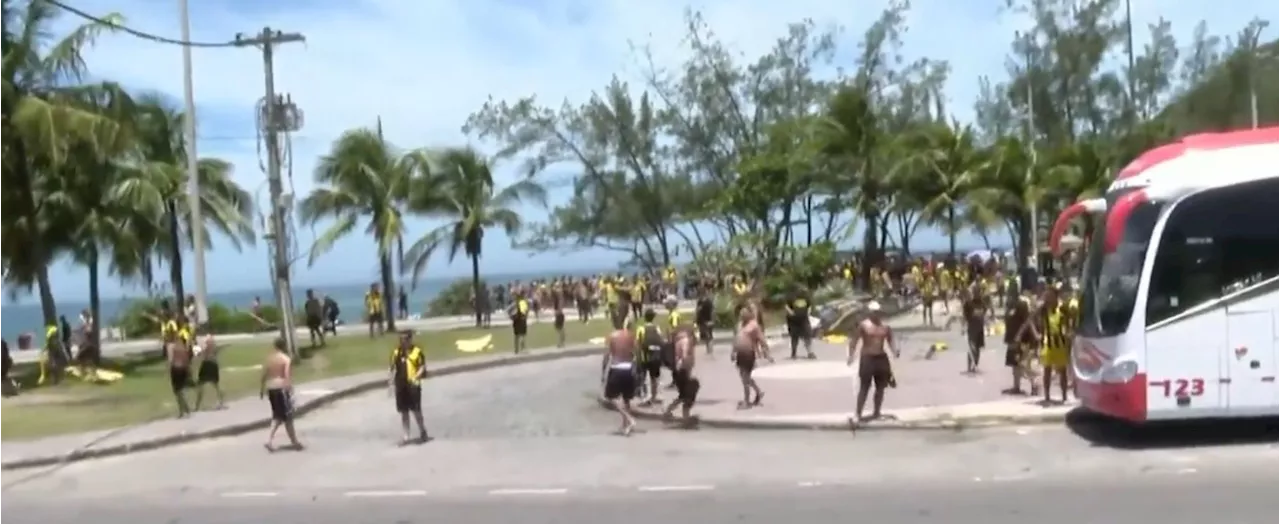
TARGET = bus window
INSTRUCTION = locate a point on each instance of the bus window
(1215, 243)
(1110, 285)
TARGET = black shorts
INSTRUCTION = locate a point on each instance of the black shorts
(559, 320)
(281, 405)
(179, 378)
(315, 323)
(375, 318)
(653, 366)
(1013, 355)
(520, 325)
(408, 398)
(977, 338)
(209, 372)
(620, 383)
(687, 386)
(799, 329)
(875, 369)
(746, 361)
(704, 331)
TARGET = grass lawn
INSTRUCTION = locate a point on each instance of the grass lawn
(143, 394)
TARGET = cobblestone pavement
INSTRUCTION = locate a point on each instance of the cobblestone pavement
(545, 399)
(827, 384)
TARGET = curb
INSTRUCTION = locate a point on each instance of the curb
(946, 423)
(299, 411)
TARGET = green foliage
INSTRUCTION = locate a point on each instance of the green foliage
(454, 299)
(138, 319)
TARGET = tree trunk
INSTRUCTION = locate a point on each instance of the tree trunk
(1025, 248)
(477, 302)
(35, 248)
(951, 227)
(388, 291)
(95, 305)
(175, 255)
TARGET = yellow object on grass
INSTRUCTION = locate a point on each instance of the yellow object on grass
(835, 339)
(475, 345)
(98, 376)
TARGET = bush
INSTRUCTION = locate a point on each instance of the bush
(454, 299)
(136, 320)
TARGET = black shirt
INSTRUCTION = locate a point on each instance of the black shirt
(799, 304)
(704, 313)
(313, 308)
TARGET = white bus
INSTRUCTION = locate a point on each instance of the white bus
(1178, 313)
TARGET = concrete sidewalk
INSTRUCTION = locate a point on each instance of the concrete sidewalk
(821, 393)
(148, 345)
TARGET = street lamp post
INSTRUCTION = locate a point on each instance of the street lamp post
(193, 168)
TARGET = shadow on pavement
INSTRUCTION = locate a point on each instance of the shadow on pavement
(1112, 433)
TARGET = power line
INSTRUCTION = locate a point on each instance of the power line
(135, 32)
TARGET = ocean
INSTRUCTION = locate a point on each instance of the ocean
(24, 317)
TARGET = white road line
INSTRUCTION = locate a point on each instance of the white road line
(1188, 471)
(1023, 431)
(249, 494)
(529, 491)
(1012, 478)
(808, 484)
(662, 489)
(386, 493)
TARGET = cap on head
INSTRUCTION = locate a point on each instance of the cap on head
(873, 306)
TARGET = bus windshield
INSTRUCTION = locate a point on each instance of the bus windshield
(1109, 285)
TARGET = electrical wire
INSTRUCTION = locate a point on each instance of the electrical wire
(137, 33)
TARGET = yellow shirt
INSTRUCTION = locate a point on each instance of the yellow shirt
(373, 302)
(673, 319)
(413, 362)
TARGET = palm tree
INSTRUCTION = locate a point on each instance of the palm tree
(953, 162)
(849, 137)
(41, 80)
(363, 177)
(460, 189)
(1010, 187)
(225, 206)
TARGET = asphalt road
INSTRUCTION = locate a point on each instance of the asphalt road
(527, 444)
(1239, 497)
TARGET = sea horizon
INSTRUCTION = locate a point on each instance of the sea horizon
(19, 317)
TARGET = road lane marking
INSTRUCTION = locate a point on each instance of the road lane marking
(386, 493)
(249, 494)
(1188, 471)
(808, 484)
(529, 491)
(1012, 478)
(662, 489)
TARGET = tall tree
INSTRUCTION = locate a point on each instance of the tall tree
(361, 178)
(461, 190)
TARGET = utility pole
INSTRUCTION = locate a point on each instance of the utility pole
(1128, 23)
(1034, 208)
(277, 114)
(193, 171)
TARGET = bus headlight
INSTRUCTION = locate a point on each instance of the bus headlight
(1120, 372)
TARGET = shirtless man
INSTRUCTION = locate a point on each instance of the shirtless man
(179, 357)
(277, 388)
(619, 375)
(687, 384)
(874, 366)
(209, 372)
(746, 344)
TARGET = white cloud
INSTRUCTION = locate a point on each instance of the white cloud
(424, 65)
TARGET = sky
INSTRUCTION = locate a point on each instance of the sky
(424, 65)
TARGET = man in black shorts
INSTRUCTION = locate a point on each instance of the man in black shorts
(651, 348)
(618, 373)
(974, 311)
(874, 366)
(798, 323)
(687, 384)
(408, 368)
(314, 310)
(704, 316)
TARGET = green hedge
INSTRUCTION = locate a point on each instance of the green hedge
(136, 322)
(454, 299)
